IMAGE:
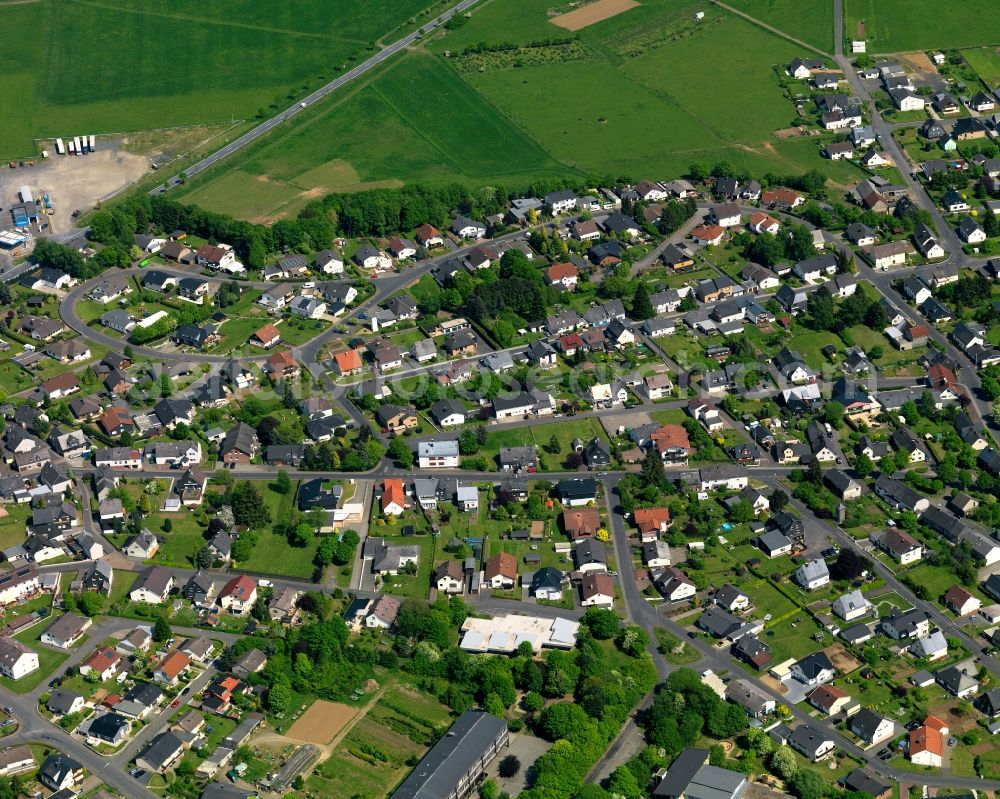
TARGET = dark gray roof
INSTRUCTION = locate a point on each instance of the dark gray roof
(546, 577)
(859, 780)
(812, 665)
(161, 750)
(866, 722)
(452, 757)
(107, 726)
(62, 701)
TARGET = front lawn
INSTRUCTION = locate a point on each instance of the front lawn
(936, 579)
(792, 637)
(48, 659)
(274, 555)
(409, 585)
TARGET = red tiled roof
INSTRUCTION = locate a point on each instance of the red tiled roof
(392, 492)
(651, 519)
(579, 522)
(281, 360)
(670, 436)
(560, 271)
(348, 360)
(707, 232)
(173, 664)
(267, 334)
(240, 587)
(66, 380)
(503, 564)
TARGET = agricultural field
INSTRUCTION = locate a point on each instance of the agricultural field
(901, 25)
(374, 755)
(810, 22)
(538, 106)
(119, 65)
(380, 137)
(986, 62)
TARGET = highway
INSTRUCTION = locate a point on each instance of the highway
(266, 127)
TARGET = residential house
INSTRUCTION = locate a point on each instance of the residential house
(500, 571)
(813, 574)
(872, 727)
(813, 669)
(811, 741)
(899, 545)
(449, 577)
(152, 586)
(674, 584)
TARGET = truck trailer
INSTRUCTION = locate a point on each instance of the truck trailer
(60, 147)
(90, 144)
(25, 194)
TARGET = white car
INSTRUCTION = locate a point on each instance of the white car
(265, 583)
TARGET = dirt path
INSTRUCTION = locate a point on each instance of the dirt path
(272, 738)
(771, 28)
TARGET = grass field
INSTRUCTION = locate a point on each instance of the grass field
(643, 94)
(986, 61)
(126, 65)
(811, 22)
(273, 554)
(381, 137)
(903, 25)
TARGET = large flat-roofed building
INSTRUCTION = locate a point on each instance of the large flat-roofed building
(504, 634)
(451, 768)
(691, 777)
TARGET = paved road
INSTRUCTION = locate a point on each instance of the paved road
(266, 127)
(863, 89)
(33, 727)
(308, 352)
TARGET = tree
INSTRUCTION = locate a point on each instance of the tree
(783, 763)
(821, 309)
(741, 512)
(204, 557)
(562, 720)
(243, 546)
(248, 506)
(778, 500)
(808, 784)
(849, 565)
(653, 474)
(509, 767)
(91, 603)
(161, 630)
(864, 465)
(602, 623)
(623, 783)
(633, 640)
(225, 516)
(301, 535)
(533, 701)
(282, 483)
(468, 442)
(279, 697)
(642, 307)
(834, 413)
(400, 452)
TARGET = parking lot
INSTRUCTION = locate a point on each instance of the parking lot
(72, 182)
